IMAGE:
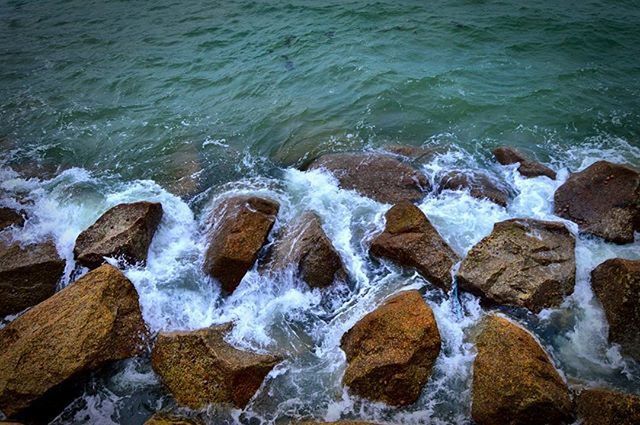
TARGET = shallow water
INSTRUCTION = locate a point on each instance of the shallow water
(105, 102)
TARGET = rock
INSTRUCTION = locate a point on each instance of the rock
(200, 368)
(171, 419)
(523, 262)
(604, 200)
(10, 217)
(307, 247)
(606, 407)
(89, 323)
(377, 176)
(416, 153)
(391, 351)
(616, 283)
(242, 225)
(478, 184)
(345, 422)
(125, 231)
(28, 275)
(506, 155)
(514, 381)
(410, 240)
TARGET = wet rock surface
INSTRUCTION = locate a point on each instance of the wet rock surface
(606, 407)
(506, 155)
(616, 284)
(28, 275)
(603, 199)
(200, 367)
(10, 217)
(124, 232)
(514, 382)
(391, 351)
(88, 324)
(377, 176)
(305, 246)
(410, 240)
(479, 185)
(523, 262)
(172, 419)
(241, 227)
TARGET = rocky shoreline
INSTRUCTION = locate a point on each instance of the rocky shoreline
(390, 352)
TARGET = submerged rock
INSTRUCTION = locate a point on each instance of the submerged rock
(125, 231)
(200, 368)
(507, 155)
(28, 275)
(171, 419)
(307, 247)
(414, 153)
(10, 217)
(604, 200)
(514, 381)
(616, 283)
(89, 323)
(345, 422)
(523, 262)
(410, 240)
(377, 176)
(242, 225)
(606, 407)
(391, 351)
(478, 184)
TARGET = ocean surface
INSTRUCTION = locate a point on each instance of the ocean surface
(103, 102)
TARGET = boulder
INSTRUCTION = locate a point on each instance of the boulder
(28, 275)
(415, 153)
(506, 155)
(89, 323)
(200, 367)
(391, 351)
(514, 381)
(305, 246)
(241, 227)
(410, 240)
(606, 407)
(604, 200)
(171, 419)
(344, 422)
(616, 283)
(523, 262)
(478, 184)
(10, 217)
(377, 176)
(124, 232)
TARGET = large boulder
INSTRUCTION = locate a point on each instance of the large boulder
(506, 155)
(28, 275)
(10, 217)
(514, 381)
(377, 176)
(604, 200)
(200, 367)
(172, 419)
(89, 323)
(410, 240)
(478, 184)
(523, 262)
(391, 351)
(124, 232)
(241, 227)
(605, 407)
(616, 283)
(305, 246)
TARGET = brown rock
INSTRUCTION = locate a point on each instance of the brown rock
(616, 283)
(346, 422)
(523, 262)
(417, 153)
(241, 227)
(89, 323)
(10, 217)
(171, 419)
(514, 382)
(391, 351)
(506, 155)
(604, 200)
(479, 186)
(28, 275)
(200, 368)
(606, 407)
(410, 240)
(125, 231)
(377, 176)
(307, 247)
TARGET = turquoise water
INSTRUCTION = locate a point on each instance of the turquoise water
(104, 102)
